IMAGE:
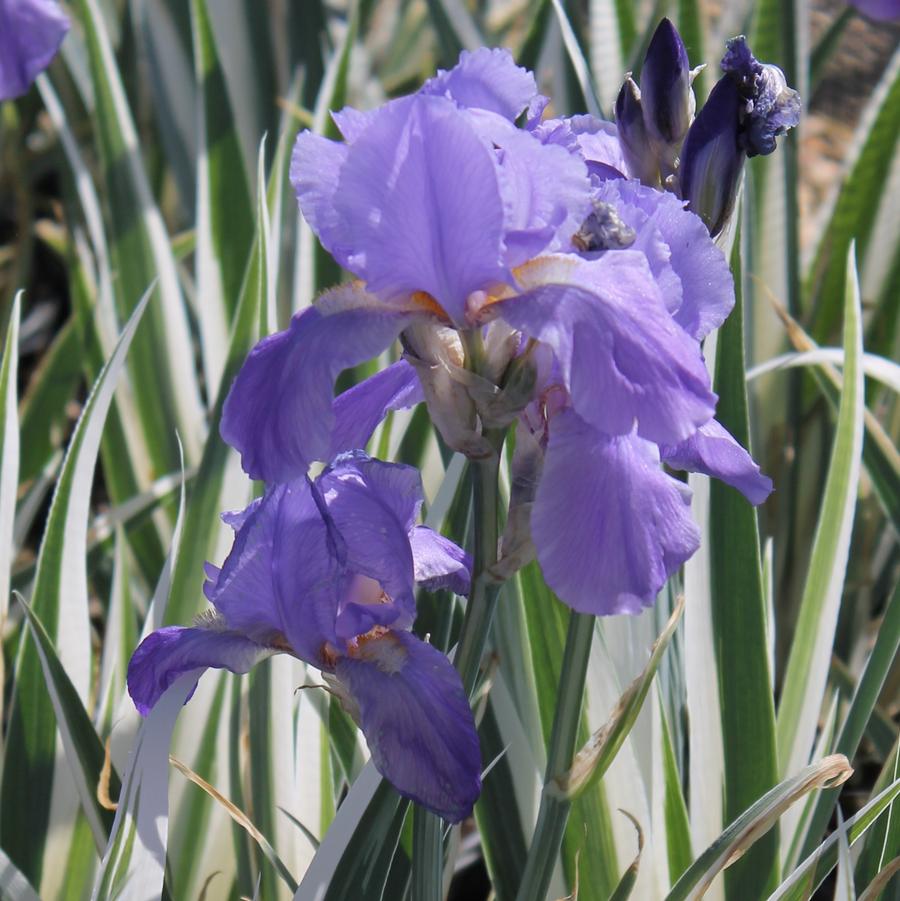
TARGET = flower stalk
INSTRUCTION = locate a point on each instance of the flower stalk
(554, 809)
(427, 828)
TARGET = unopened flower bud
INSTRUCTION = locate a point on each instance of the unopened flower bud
(666, 94)
(711, 158)
(636, 146)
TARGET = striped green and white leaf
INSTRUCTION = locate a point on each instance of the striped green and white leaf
(755, 822)
(806, 877)
(134, 862)
(224, 206)
(739, 615)
(807, 669)
(859, 712)
(851, 219)
(81, 745)
(13, 885)
(141, 254)
(32, 783)
(9, 465)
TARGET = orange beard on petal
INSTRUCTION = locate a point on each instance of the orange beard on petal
(424, 300)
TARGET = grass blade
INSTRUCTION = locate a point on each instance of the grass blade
(9, 463)
(806, 878)
(13, 885)
(592, 761)
(579, 63)
(351, 860)
(61, 574)
(755, 822)
(862, 705)
(224, 206)
(880, 882)
(807, 669)
(845, 890)
(135, 859)
(82, 746)
(739, 613)
(240, 818)
(852, 218)
(140, 255)
(220, 483)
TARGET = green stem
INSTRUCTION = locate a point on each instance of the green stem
(554, 811)
(480, 608)
(428, 858)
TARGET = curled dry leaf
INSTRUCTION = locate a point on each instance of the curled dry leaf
(597, 754)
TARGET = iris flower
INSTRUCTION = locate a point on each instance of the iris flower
(30, 34)
(326, 571)
(588, 292)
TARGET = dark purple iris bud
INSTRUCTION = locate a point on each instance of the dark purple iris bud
(633, 138)
(712, 157)
(770, 107)
(666, 94)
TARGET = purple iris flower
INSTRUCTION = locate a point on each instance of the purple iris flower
(583, 285)
(30, 34)
(326, 571)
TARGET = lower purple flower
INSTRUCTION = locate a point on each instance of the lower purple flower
(326, 571)
(30, 34)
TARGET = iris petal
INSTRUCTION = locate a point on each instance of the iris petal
(486, 79)
(243, 590)
(358, 410)
(713, 450)
(417, 721)
(705, 291)
(622, 357)
(316, 164)
(420, 205)
(279, 413)
(171, 652)
(438, 562)
(546, 189)
(282, 575)
(373, 506)
(30, 34)
(609, 526)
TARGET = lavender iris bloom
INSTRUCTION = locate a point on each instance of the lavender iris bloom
(30, 34)
(457, 221)
(326, 571)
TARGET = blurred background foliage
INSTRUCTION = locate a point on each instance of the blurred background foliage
(152, 156)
